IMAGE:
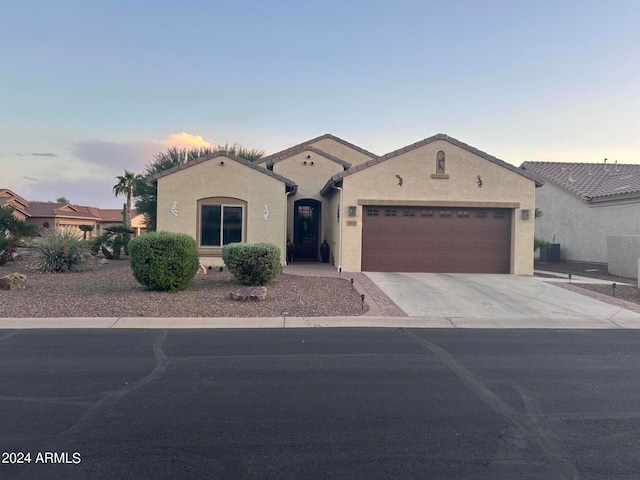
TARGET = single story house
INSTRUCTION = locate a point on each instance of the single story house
(67, 215)
(438, 205)
(585, 204)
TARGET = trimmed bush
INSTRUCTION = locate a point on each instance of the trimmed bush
(164, 260)
(254, 264)
(59, 251)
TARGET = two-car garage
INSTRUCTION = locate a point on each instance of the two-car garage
(436, 239)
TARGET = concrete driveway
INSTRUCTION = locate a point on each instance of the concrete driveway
(464, 299)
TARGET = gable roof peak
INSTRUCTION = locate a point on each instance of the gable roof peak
(230, 156)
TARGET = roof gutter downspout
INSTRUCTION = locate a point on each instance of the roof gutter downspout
(340, 230)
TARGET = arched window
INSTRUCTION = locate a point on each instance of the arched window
(440, 163)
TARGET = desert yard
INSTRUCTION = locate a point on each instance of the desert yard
(112, 291)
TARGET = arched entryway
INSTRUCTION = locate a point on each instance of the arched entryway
(306, 227)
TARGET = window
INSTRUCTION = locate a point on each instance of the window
(389, 213)
(498, 215)
(220, 225)
(372, 212)
(426, 213)
(463, 214)
(481, 214)
(445, 213)
(408, 213)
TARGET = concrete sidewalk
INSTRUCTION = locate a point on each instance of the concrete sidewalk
(564, 278)
(621, 320)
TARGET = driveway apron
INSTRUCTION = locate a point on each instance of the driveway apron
(488, 296)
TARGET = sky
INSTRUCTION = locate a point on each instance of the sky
(91, 88)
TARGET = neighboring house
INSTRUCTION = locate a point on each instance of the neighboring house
(438, 205)
(19, 204)
(584, 203)
(66, 215)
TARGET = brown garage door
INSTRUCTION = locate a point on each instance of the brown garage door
(436, 239)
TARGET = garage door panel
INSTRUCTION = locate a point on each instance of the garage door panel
(437, 240)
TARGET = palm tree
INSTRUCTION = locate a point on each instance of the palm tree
(125, 187)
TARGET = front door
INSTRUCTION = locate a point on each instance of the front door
(306, 226)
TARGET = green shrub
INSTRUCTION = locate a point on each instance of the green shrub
(60, 251)
(164, 260)
(252, 263)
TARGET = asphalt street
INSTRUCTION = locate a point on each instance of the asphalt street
(320, 403)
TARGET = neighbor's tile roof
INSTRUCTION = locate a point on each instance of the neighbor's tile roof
(296, 148)
(589, 181)
(51, 209)
(440, 136)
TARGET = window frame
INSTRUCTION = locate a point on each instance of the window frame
(222, 204)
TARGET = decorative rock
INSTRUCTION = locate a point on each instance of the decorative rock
(250, 293)
(13, 281)
(103, 261)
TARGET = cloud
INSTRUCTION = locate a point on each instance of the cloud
(30, 178)
(185, 140)
(45, 155)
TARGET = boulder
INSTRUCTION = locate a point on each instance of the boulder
(249, 293)
(103, 261)
(13, 281)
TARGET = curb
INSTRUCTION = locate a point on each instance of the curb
(106, 323)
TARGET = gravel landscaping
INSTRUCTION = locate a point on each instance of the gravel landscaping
(111, 291)
(630, 293)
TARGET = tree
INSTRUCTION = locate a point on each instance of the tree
(12, 232)
(146, 200)
(125, 186)
(62, 200)
(85, 228)
(538, 242)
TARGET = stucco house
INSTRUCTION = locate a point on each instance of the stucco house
(585, 205)
(67, 215)
(438, 205)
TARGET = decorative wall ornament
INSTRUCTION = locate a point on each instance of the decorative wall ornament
(479, 182)
(266, 213)
(174, 209)
(399, 180)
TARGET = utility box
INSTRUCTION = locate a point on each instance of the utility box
(550, 254)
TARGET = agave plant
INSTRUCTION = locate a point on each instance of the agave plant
(60, 251)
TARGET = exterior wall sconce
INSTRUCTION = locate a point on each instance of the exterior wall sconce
(221, 162)
(526, 214)
(352, 211)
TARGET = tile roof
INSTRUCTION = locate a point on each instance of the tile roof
(303, 148)
(51, 209)
(440, 136)
(296, 148)
(589, 181)
(190, 163)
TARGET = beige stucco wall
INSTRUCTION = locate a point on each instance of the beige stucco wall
(581, 228)
(63, 223)
(343, 152)
(19, 215)
(501, 188)
(234, 180)
(310, 180)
